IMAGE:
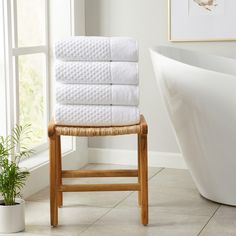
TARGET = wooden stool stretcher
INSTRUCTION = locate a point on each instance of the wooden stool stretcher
(57, 174)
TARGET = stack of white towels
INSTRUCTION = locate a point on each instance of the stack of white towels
(97, 81)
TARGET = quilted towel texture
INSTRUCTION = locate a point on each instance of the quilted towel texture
(97, 72)
(93, 94)
(96, 81)
(82, 48)
(92, 115)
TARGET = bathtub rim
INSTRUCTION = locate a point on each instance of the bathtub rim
(156, 50)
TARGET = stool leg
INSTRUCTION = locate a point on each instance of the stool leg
(144, 179)
(139, 174)
(53, 180)
(59, 171)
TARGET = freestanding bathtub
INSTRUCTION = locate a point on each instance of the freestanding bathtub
(199, 92)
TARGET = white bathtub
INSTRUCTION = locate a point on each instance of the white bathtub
(199, 92)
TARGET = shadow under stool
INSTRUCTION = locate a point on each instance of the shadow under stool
(56, 173)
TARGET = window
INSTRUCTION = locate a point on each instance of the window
(2, 75)
(24, 36)
(25, 61)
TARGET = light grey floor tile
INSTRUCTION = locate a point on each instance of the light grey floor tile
(126, 222)
(174, 178)
(43, 230)
(175, 206)
(223, 223)
(72, 220)
(40, 196)
(226, 212)
(38, 213)
(90, 199)
(94, 199)
(174, 201)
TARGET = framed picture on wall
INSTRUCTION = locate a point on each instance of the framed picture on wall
(202, 20)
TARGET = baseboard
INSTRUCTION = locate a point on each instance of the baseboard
(129, 157)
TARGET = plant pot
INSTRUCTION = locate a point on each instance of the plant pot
(12, 218)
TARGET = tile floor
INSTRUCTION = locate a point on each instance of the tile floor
(176, 208)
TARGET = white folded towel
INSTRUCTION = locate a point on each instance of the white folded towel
(97, 72)
(84, 48)
(85, 115)
(95, 94)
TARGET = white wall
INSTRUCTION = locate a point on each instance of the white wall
(145, 20)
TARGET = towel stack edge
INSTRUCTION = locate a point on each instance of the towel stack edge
(82, 48)
(97, 81)
(96, 115)
(79, 72)
(95, 94)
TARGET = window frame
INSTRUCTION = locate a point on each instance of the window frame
(11, 99)
(12, 52)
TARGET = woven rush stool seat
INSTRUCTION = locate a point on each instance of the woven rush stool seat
(57, 174)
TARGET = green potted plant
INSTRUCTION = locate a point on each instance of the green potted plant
(12, 178)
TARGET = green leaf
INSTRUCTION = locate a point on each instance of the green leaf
(12, 177)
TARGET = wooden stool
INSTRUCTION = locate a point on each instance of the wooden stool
(56, 172)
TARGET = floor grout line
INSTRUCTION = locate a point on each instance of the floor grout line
(89, 226)
(118, 203)
(156, 173)
(209, 220)
(122, 202)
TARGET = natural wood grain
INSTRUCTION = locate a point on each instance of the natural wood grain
(143, 125)
(51, 128)
(53, 183)
(139, 174)
(56, 173)
(59, 170)
(98, 173)
(99, 187)
(144, 179)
